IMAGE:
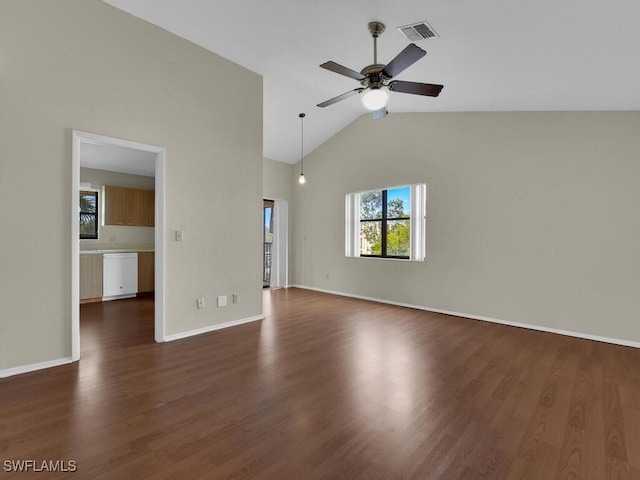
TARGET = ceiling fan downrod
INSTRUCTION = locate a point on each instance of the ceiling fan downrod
(376, 29)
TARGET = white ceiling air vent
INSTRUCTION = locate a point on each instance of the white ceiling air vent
(418, 31)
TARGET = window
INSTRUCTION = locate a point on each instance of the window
(386, 223)
(88, 214)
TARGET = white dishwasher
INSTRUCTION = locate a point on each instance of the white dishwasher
(119, 275)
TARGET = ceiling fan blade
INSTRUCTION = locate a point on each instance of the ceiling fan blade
(347, 72)
(333, 100)
(428, 89)
(381, 113)
(407, 57)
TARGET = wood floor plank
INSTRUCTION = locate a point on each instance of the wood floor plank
(538, 439)
(595, 429)
(573, 459)
(327, 387)
(616, 460)
(632, 436)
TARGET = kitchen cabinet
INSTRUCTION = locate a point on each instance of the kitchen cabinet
(90, 278)
(135, 204)
(115, 205)
(148, 208)
(119, 275)
(129, 206)
(146, 272)
(140, 207)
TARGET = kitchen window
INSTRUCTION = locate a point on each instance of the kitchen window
(88, 215)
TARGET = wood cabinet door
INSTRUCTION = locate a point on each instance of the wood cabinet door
(115, 205)
(135, 207)
(90, 276)
(148, 208)
(146, 272)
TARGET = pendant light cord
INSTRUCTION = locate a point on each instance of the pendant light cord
(302, 115)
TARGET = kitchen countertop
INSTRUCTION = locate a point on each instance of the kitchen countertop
(117, 249)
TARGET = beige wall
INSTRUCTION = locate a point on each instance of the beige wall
(277, 180)
(114, 236)
(81, 64)
(531, 217)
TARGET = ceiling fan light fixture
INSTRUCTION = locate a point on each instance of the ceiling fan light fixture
(375, 99)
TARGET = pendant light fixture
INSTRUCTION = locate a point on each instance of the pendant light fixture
(301, 178)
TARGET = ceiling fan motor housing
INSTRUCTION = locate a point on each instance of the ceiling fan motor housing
(374, 77)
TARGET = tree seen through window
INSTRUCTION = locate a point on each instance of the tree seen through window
(88, 215)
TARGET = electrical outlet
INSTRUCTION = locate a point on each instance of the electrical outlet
(222, 301)
(178, 234)
(200, 303)
(235, 298)
(326, 276)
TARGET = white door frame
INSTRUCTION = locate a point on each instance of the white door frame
(78, 138)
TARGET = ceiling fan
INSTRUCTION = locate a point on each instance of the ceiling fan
(376, 77)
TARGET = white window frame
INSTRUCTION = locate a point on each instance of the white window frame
(418, 219)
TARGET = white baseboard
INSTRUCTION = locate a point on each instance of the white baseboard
(616, 341)
(9, 372)
(211, 328)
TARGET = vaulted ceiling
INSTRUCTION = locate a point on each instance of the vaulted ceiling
(494, 55)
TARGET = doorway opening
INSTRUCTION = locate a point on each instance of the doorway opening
(83, 143)
(267, 241)
(275, 243)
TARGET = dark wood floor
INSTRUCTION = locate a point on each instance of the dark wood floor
(328, 388)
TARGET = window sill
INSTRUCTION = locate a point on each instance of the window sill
(409, 260)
